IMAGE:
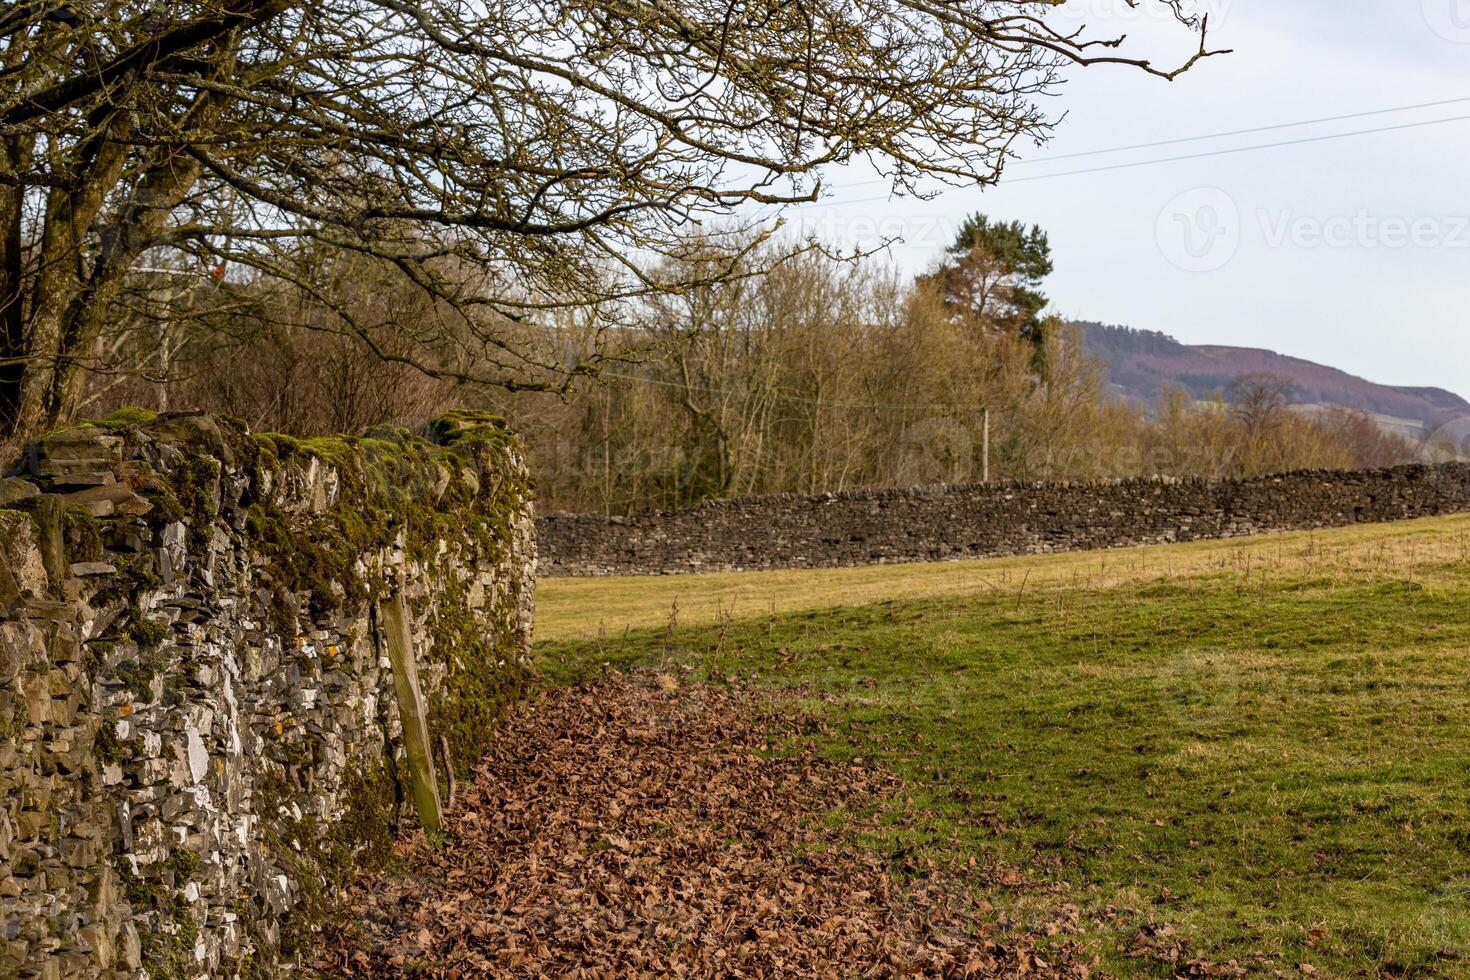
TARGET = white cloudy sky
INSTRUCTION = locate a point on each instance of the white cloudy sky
(1354, 252)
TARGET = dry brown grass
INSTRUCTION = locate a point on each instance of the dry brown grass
(571, 609)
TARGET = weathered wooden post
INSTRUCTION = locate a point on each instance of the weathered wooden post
(398, 631)
(985, 445)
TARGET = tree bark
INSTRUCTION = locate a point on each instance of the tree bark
(12, 306)
(69, 303)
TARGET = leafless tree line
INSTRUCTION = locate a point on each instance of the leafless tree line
(822, 376)
(816, 375)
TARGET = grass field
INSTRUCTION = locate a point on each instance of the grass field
(1253, 750)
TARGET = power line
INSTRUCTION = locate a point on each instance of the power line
(1191, 156)
(1247, 149)
(1243, 132)
(1041, 161)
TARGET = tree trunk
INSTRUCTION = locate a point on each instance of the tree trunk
(69, 308)
(12, 307)
(54, 281)
(15, 156)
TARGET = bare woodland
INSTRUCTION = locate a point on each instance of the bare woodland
(819, 374)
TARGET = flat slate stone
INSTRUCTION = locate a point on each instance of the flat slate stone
(109, 499)
(14, 490)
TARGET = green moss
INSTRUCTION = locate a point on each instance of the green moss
(129, 417)
(144, 631)
(467, 426)
(168, 953)
(474, 698)
(106, 745)
(182, 863)
(324, 859)
(337, 450)
(387, 433)
(140, 893)
(83, 535)
(282, 447)
(255, 521)
(134, 576)
(166, 506)
(137, 676)
(186, 935)
(191, 497)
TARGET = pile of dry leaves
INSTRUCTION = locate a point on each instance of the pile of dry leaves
(634, 827)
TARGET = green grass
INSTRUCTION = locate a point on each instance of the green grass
(1265, 746)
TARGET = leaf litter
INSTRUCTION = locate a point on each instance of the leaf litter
(645, 824)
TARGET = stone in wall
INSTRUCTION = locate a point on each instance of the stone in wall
(199, 739)
(864, 527)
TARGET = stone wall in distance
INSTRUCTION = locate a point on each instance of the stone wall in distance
(865, 527)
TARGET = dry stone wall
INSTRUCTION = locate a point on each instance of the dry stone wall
(945, 522)
(199, 734)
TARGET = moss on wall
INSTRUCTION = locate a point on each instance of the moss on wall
(474, 698)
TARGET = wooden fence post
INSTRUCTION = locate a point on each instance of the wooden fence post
(985, 446)
(397, 628)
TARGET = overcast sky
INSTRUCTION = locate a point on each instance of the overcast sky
(1354, 252)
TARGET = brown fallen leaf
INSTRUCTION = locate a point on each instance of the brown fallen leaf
(629, 829)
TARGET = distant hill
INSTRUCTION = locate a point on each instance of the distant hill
(1141, 363)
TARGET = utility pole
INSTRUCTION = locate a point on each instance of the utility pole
(985, 445)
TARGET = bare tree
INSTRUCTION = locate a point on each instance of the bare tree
(1260, 401)
(507, 159)
(1365, 442)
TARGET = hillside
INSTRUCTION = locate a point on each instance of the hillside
(1141, 363)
